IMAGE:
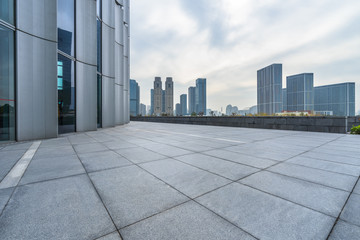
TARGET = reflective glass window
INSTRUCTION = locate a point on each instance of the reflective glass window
(7, 11)
(98, 45)
(99, 101)
(7, 97)
(66, 26)
(66, 95)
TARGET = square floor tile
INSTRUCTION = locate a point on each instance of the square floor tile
(140, 155)
(95, 161)
(343, 230)
(351, 212)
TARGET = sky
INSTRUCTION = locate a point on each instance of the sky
(227, 41)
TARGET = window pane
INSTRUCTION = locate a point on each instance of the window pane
(99, 101)
(66, 95)
(66, 26)
(98, 45)
(7, 98)
(7, 11)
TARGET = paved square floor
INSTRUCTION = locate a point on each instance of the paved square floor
(173, 181)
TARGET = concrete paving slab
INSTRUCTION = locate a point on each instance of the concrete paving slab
(7, 160)
(50, 152)
(131, 194)
(333, 158)
(115, 145)
(241, 158)
(194, 147)
(345, 230)
(80, 139)
(189, 180)
(50, 168)
(324, 199)
(326, 165)
(89, 147)
(55, 142)
(67, 208)
(111, 236)
(277, 156)
(140, 155)
(351, 212)
(4, 197)
(167, 150)
(330, 179)
(266, 216)
(17, 146)
(188, 221)
(95, 161)
(357, 188)
(233, 171)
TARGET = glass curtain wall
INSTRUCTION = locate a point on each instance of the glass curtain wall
(99, 60)
(66, 66)
(7, 74)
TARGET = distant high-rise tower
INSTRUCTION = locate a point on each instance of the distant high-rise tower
(157, 96)
(200, 95)
(284, 99)
(134, 98)
(152, 102)
(191, 98)
(178, 109)
(163, 101)
(300, 92)
(169, 96)
(183, 104)
(269, 89)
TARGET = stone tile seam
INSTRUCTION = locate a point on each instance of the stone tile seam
(342, 209)
(332, 161)
(106, 235)
(97, 193)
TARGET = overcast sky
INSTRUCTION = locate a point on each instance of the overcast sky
(227, 41)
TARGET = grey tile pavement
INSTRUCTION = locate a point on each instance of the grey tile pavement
(324, 199)
(67, 208)
(187, 179)
(330, 179)
(231, 170)
(111, 236)
(131, 194)
(266, 216)
(351, 212)
(95, 161)
(141, 172)
(188, 221)
(51, 168)
(343, 230)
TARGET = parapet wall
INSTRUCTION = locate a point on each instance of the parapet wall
(328, 124)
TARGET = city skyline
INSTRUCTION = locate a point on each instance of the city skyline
(212, 40)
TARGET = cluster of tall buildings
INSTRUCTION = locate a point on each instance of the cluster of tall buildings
(162, 101)
(300, 95)
(196, 100)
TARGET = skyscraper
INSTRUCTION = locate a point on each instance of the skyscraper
(163, 101)
(152, 102)
(70, 62)
(200, 96)
(183, 104)
(269, 85)
(169, 96)
(337, 98)
(157, 96)
(284, 99)
(300, 92)
(178, 109)
(191, 98)
(134, 98)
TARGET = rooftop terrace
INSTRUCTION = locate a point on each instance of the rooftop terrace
(171, 181)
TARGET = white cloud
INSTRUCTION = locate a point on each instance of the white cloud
(226, 41)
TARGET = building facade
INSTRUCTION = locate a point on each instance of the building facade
(169, 96)
(134, 98)
(269, 86)
(142, 109)
(200, 96)
(158, 96)
(178, 109)
(284, 99)
(67, 63)
(337, 98)
(191, 98)
(300, 92)
(151, 101)
(183, 104)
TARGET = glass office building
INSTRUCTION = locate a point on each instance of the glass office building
(200, 96)
(183, 104)
(191, 97)
(284, 99)
(69, 68)
(269, 89)
(337, 98)
(134, 98)
(300, 92)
